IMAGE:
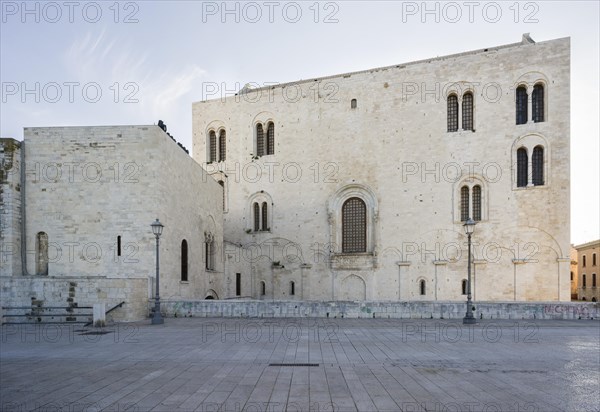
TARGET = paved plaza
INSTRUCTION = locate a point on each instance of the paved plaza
(215, 364)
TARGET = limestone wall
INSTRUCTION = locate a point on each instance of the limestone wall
(394, 150)
(10, 207)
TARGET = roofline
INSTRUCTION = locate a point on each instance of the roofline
(587, 244)
(398, 66)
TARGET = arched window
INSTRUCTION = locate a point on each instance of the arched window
(260, 140)
(353, 104)
(422, 287)
(292, 288)
(41, 248)
(270, 138)
(521, 104)
(452, 113)
(222, 146)
(263, 288)
(354, 226)
(467, 111)
(265, 215)
(583, 283)
(537, 166)
(537, 103)
(464, 286)
(212, 150)
(477, 203)
(464, 203)
(593, 299)
(593, 280)
(184, 260)
(256, 217)
(522, 167)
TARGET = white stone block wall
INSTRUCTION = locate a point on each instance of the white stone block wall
(395, 145)
(10, 207)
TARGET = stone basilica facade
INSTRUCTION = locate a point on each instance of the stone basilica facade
(342, 188)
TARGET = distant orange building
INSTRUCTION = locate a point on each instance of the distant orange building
(587, 271)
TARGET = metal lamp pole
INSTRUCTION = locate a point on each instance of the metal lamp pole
(469, 318)
(157, 318)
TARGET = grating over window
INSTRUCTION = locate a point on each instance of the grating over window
(467, 111)
(522, 167)
(452, 113)
(537, 166)
(222, 144)
(260, 140)
(521, 104)
(256, 217)
(464, 203)
(212, 141)
(271, 139)
(537, 103)
(265, 215)
(477, 203)
(354, 226)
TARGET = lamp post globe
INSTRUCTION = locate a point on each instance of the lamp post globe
(157, 318)
(469, 227)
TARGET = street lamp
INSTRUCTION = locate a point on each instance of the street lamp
(469, 318)
(157, 318)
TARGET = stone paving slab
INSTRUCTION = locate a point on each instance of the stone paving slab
(225, 365)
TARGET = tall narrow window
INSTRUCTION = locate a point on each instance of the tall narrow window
(263, 288)
(522, 167)
(537, 103)
(292, 288)
(238, 284)
(41, 248)
(477, 203)
(271, 139)
(353, 104)
(206, 255)
(521, 104)
(593, 259)
(260, 140)
(118, 245)
(464, 203)
(222, 183)
(265, 214)
(583, 281)
(537, 166)
(467, 111)
(464, 286)
(583, 265)
(422, 287)
(222, 146)
(593, 280)
(452, 113)
(212, 142)
(354, 226)
(184, 260)
(209, 253)
(256, 217)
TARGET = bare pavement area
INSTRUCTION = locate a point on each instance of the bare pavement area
(256, 365)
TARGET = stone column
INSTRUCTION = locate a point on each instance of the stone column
(99, 315)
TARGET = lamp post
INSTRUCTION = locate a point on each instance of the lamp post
(469, 319)
(157, 318)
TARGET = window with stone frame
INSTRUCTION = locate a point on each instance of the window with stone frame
(537, 166)
(212, 146)
(476, 203)
(522, 167)
(452, 113)
(521, 104)
(270, 138)
(222, 146)
(467, 111)
(537, 103)
(260, 140)
(354, 226)
(464, 203)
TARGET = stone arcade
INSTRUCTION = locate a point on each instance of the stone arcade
(351, 187)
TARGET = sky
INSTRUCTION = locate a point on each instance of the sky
(89, 63)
